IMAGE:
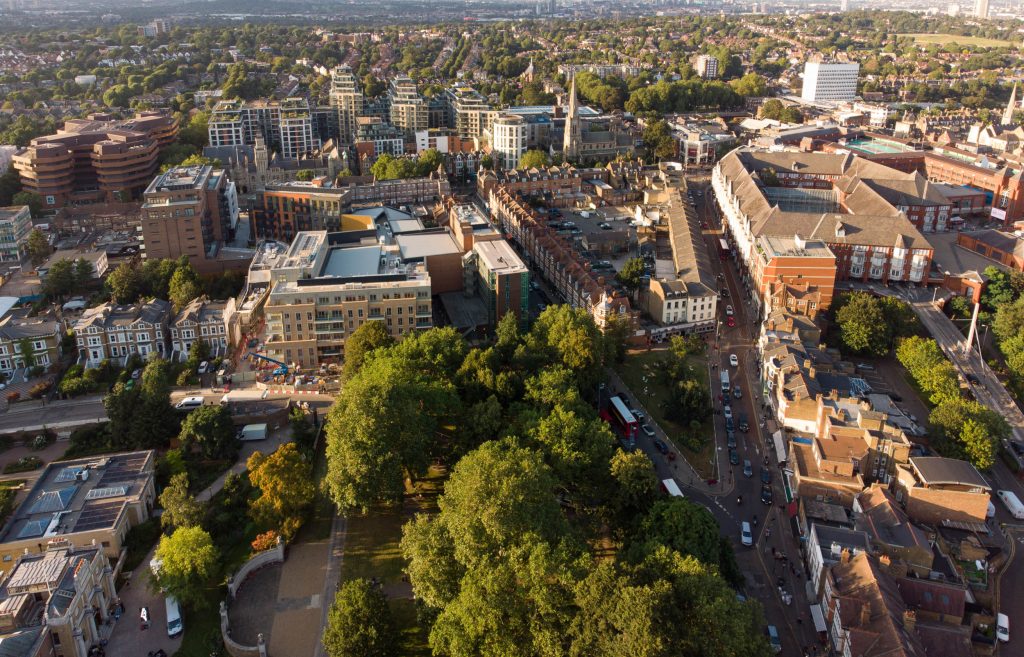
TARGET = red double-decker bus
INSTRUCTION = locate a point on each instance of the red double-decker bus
(624, 418)
(723, 249)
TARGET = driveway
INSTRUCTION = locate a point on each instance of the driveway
(127, 638)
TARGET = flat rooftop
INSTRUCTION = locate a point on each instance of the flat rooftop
(11, 211)
(180, 178)
(79, 496)
(499, 257)
(793, 246)
(421, 245)
(352, 262)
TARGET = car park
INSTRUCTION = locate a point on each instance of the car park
(734, 458)
(733, 360)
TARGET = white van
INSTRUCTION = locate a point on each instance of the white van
(174, 622)
(252, 432)
(1012, 503)
(746, 537)
(1002, 627)
(189, 403)
(773, 639)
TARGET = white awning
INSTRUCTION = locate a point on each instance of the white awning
(780, 445)
(819, 618)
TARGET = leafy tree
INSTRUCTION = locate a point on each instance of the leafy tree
(60, 279)
(184, 286)
(359, 622)
(382, 430)
(862, 326)
(303, 431)
(1009, 320)
(533, 159)
(304, 174)
(929, 367)
(285, 481)
(484, 420)
(576, 444)
(965, 429)
(38, 247)
(1003, 287)
(32, 200)
(188, 561)
(688, 399)
(83, 273)
(180, 507)
(679, 525)
(658, 140)
(210, 429)
(125, 282)
(750, 85)
(430, 552)
(568, 336)
(900, 317)
(667, 605)
(632, 273)
(366, 338)
(636, 485)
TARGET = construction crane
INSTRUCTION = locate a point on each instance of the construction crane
(282, 368)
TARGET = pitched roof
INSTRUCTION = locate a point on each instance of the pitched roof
(884, 520)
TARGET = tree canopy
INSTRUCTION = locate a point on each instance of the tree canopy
(359, 622)
(187, 562)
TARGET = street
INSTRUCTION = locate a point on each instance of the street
(736, 497)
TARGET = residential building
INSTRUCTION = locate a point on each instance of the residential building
(203, 320)
(96, 159)
(327, 285)
(508, 140)
(872, 608)
(468, 111)
(374, 138)
(286, 126)
(1005, 248)
(939, 491)
(686, 302)
(890, 530)
(496, 273)
(981, 8)
(784, 268)
(706, 66)
(55, 602)
(409, 110)
(825, 548)
(15, 226)
(156, 27)
(112, 332)
(346, 97)
(41, 335)
(190, 211)
(701, 143)
(91, 501)
(829, 81)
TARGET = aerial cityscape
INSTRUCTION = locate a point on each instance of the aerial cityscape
(540, 328)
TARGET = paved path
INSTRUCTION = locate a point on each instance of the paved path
(300, 600)
(332, 577)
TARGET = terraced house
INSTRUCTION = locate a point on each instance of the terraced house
(39, 336)
(204, 320)
(112, 332)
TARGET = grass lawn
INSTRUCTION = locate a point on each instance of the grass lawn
(652, 395)
(943, 39)
(202, 628)
(372, 550)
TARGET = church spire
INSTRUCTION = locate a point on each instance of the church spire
(571, 140)
(1010, 107)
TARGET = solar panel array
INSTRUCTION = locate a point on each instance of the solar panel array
(122, 469)
(98, 515)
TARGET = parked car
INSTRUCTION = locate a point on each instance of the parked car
(1003, 627)
(733, 360)
(660, 445)
(730, 440)
(727, 412)
(730, 322)
(766, 476)
(737, 392)
(204, 367)
(728, 310)
(746, 536)
(648, 431)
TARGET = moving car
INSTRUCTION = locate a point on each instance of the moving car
(734, 458)
(746, 537)
(743, 423)
(737, 392)
(730, 321)
(766, 494)
(648, 431)
(734, 361)
(660, 445)
(748, 470)
(204, 367)
(728, 310)
(766, 476)
(727, 412)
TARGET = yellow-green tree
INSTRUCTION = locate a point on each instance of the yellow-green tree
(285, 481)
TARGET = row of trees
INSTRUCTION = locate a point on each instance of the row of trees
(535, 482)
(388, 167)
(962, 428)
(174, 280)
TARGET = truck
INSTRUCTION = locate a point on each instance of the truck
(725, 382)
(1012, 503)
(252, 432)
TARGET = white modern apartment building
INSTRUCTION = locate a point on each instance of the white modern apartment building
(707, 67)
(830, 81)
(508, 140)
(346, 97)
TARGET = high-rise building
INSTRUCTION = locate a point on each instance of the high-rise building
(409, 109)
(830, 81)
(346, 97)
(468, 111)
(508, 140)
(573, 126)
(15, 226)
(96, 159)
(844, 5)
(286, 126)
(188, 211)
(707, 67)
(981, 8)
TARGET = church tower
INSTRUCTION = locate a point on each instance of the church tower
(1011, 107)
(573, 136)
